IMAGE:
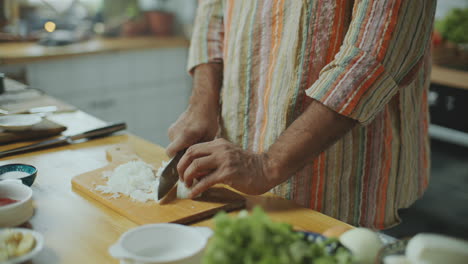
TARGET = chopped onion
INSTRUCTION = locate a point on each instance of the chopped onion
(135, 179)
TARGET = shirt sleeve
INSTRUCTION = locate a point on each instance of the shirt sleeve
(208, 33)
(385, 44)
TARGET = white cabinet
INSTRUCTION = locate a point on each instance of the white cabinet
(147, 89)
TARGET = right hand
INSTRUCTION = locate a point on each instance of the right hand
(197, 124)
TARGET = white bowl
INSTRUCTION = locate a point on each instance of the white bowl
(161, 243)
(19, 212)
(19, 122)
(39, 244)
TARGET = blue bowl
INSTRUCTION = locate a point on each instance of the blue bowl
(26, 173)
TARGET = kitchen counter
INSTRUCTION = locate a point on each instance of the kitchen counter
(26, 52)
(78, 229)
(449, 77)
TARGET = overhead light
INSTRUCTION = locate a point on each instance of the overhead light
(50, 26)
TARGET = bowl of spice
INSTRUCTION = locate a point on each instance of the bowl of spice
(24, 172)
(15, 203)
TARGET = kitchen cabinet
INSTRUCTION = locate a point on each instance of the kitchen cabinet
(448, 101)
(146, 88)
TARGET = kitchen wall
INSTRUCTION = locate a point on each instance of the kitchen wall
(444, 6)
(148, 89)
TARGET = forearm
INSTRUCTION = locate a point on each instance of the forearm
(309, 135)
(207, 82)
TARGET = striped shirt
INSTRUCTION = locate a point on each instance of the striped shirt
(365, 59)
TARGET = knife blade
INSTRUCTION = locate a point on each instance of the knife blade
(90, 134)
(169, 176)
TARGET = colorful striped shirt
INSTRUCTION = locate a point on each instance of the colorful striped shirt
(365, 59)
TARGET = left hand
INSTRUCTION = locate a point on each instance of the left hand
(220, 161)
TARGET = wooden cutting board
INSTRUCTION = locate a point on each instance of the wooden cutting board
(45, 128)
(182, 211)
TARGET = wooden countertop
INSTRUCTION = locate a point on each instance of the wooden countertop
(449, 77)
(80, 230)
(26, 52)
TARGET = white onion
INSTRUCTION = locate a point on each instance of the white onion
(182, 190)
(363, 243)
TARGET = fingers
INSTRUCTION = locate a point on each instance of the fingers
(181, 142)
(198, 168)
(204, 184)
(190, 128)
(192, 153)
(171, 132)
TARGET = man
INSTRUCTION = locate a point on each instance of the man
(319, 101)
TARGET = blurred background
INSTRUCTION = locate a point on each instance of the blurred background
(125, 60)
(115, 59)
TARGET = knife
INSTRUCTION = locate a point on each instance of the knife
(99, 132)
(169, 176)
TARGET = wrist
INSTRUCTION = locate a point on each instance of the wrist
(207, 84)
(204, 106)
(271, 170)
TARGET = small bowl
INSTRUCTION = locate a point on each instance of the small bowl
(17, 213)
(161, 243)
(19, 122)
(24, 172)
(39, 244)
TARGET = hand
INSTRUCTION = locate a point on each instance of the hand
(195, 125)
(220, 161)
(199, 123)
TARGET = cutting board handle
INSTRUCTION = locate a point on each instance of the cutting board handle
(121, 153)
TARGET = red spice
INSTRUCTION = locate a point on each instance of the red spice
(6, 201)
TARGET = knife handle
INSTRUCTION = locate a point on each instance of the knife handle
(33, 147)
(100, 131)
